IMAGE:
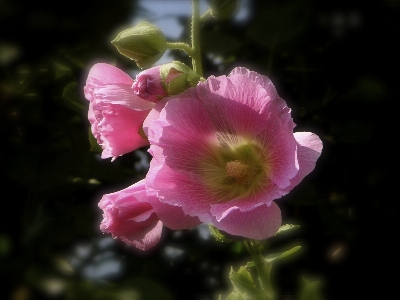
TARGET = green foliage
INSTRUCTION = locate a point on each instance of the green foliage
(287, 227)
(244, 286)
(94, 145)
(310, 290)
(276, 256)
(72, 95)
(218, 235)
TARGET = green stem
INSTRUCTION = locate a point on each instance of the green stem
(262, 267)
(196, 57)
(181, 46)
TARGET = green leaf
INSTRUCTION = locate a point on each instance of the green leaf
(235, 295)
(287, 227)
(244, 285)
(310, 290)
(94, 146)
(5, 246)
(275, 256)
(61, 70)
(71, 96)
(242, 280)
(218, 235)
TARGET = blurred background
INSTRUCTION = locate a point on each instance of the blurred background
(334, 62)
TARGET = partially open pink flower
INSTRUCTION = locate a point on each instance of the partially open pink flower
(116, 112)
(134, 217)
(225, 149)
(129, 219)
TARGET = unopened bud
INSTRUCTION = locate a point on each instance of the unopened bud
(145, 43)
(148, 85)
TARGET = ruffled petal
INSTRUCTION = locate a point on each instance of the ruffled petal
(116, 113)
(116, 128)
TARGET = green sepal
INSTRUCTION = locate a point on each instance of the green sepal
(218, 235)
(177, 77)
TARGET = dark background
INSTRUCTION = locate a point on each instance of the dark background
(334, 62)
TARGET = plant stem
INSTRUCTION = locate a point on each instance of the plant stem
(262, 267)
(181, 46)
(196, 57)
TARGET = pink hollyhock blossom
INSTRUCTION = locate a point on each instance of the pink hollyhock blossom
(134, 217)
(225, 150)
(116, 110)
(148, 85)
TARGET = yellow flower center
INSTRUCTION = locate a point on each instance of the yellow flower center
(238, 170)
(235, 171)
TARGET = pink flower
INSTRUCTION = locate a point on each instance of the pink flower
(134, 217)
(224, 150)
(117, 110)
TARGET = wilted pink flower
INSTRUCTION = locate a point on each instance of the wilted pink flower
(134, 217)
(225, 149)
(116, 111)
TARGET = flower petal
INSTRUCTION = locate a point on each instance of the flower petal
(123, 95)
(172, 216)
(144, 237)
(309, 149)
(108, 74)
(259, 223)
(116, 128)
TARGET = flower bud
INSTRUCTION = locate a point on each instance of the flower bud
(145, 43)
(223, 9)
(148, 85)
(177, 77)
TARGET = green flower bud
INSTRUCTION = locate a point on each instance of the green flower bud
(144, 43)
(223, 9)
(176, 77)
